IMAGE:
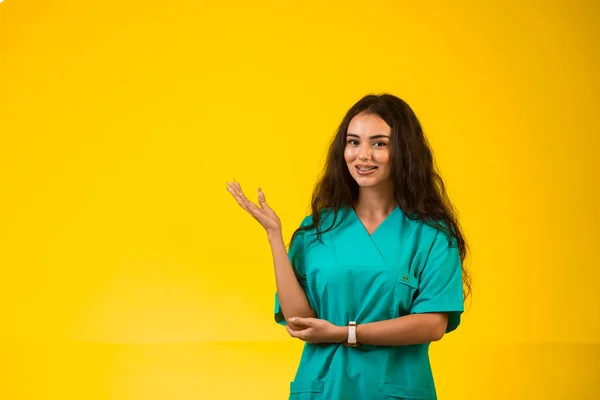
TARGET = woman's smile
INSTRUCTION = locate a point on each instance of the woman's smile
(365, 169)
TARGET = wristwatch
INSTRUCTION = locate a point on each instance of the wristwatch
(352, 342)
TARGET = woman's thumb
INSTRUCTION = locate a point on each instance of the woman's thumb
(261, 198)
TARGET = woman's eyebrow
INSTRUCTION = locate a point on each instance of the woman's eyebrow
(379, 136)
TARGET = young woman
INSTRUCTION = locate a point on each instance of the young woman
(375, 273)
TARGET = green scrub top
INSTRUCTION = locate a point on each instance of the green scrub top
(404, 267)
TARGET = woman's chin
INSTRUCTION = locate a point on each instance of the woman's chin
(370, 181)
(367, 181)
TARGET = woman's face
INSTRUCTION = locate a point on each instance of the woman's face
(367, 151)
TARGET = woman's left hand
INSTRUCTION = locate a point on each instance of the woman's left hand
(317, 331)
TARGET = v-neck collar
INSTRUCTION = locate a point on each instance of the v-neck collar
(381, 226)
(384, 236)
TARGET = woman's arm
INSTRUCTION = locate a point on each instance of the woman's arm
(292, 299)
(405, 330)
(402, 331)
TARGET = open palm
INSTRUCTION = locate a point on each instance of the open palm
(262, 212)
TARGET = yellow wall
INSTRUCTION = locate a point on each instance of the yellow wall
(128, 272)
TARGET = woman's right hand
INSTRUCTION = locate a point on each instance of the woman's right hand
(263, 214)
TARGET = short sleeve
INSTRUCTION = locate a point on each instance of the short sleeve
(440, 283)
(296, 257)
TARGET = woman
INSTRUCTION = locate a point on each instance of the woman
(375, 273)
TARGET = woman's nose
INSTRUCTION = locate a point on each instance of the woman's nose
(364, 153)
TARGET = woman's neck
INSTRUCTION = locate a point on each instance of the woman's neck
(375, 201)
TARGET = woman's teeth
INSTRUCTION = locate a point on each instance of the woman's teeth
(365, 170)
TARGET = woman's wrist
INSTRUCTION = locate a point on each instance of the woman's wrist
(274, 235)
(340, 334)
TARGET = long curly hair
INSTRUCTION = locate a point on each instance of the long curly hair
(418, 187)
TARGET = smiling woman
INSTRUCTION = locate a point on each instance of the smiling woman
(375, 273)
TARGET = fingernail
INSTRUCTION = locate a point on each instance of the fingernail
(292, 319)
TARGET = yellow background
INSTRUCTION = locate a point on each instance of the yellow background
(128, 272)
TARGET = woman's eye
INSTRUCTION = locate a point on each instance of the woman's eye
(380, 144)
(352, 142)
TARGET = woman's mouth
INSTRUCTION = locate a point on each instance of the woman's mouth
(363, 169)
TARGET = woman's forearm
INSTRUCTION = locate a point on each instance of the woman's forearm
(292, 298)
(406, 330)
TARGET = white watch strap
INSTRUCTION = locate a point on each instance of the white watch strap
(352, 332)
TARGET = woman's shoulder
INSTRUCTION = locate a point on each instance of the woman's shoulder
(306, 221)
(328, 218)
(426, 230)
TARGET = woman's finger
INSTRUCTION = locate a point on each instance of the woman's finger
(261, 199)
(302, 321)
(238, 197)
(249, 204)
(239, 188)
(242, 200)
(231, 187)
(291, 331)
(240, 192)
(302, 335)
